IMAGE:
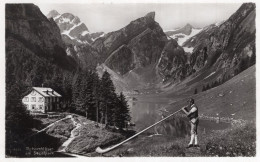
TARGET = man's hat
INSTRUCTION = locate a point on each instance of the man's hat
(191, 100)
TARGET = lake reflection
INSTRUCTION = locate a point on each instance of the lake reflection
(145, 114)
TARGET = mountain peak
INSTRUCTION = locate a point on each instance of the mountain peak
(188, 26)
(52, 13)
(150, 15)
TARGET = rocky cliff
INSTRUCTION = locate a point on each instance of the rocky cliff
(173, 62)
(137, 32)
(141, 53)
(229, 45)
(26, 25)
(187, 29)
(77, 39)
(33, 43)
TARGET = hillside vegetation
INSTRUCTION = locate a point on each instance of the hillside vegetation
(235, 98)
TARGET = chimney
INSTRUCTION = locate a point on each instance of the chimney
(42, 84)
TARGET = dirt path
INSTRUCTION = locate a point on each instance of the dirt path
(73, 135)
(42, 130)
(68, 116)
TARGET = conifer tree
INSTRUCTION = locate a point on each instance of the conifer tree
(203, 88)
(207, 87)
(122, 115)
(97, 92)
(17, 115)
(108, 99)
(195, 91)
(76, 101)
(89, 98)
(37, 74)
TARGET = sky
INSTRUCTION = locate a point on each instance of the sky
(110, 17)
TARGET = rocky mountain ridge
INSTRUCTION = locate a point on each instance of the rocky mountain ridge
(141, 52)
(228, 45)
(143, 55)
(223, 49)
(72, 29)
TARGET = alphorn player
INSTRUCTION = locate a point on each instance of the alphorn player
(194, 120)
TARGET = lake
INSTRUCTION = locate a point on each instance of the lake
(146, 113)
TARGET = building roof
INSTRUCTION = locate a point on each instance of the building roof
(46, 92)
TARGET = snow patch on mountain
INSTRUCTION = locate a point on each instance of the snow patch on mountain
(169, 38)
(219, 23)
(102, 35)
(56, 17)
(210, 75)
(188, 49)
(68, 52)
(181, 38)
(64, 20)
(85, 33)
(94, 39)
(67, 32)
(75, 26)
(172, 30)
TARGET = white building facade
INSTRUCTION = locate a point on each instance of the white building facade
(42, 100)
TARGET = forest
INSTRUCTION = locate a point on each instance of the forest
(83, 91)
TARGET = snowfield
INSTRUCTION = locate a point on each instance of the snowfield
(188, 49)
(184, 37)
(85, 33)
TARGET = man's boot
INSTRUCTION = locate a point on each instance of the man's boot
(191, 141)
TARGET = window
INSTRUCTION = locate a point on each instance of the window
(40, 107)
(57, 99)
(33, 99)
(40, 99)
(33, 107)
(27, 106)
(26, 99)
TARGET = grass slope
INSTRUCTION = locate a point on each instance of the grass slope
(90, 137)
(235, 98)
